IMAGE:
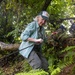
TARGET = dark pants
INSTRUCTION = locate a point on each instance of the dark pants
(37, 61)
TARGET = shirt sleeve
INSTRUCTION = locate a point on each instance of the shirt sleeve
(28, 31)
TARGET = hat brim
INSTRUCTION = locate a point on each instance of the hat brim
(46, 18)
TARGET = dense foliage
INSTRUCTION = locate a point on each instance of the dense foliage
(16, 14)
(14, 17)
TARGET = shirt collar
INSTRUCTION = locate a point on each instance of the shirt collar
(37, 25)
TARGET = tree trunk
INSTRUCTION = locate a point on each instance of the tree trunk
(47, 2)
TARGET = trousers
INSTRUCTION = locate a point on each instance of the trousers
(37, 61)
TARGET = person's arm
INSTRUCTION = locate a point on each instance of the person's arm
(35, 40)
(28, 31)
(25, 36)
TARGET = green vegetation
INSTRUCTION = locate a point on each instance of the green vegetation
(14, 17)
(34, 72)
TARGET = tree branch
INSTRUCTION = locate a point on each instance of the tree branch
(60, 20)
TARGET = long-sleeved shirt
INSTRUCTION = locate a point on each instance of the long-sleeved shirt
(31, 31)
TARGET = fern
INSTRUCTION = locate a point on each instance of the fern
(34, 72)
(68, 48)
(56, 71)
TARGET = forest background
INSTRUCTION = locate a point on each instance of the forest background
(14, 17)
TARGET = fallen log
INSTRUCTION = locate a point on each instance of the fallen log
(8, 47)
(12, 47)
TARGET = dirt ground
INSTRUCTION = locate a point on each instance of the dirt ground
(68, 70)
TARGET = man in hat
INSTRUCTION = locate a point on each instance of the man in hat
(32, 39)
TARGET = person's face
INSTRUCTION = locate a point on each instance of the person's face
(41, 21)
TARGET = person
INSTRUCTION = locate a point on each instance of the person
(72, 28)
(32, 39)
(58, 35)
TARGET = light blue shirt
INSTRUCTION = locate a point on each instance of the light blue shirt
(30, 31)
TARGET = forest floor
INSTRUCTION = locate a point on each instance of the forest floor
(68, 70)
(8, 70)
(22, 66)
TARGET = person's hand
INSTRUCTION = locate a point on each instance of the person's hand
(54, 33)
(38, 40)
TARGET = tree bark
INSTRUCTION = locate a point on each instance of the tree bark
(8, 47)
(1, 1)
(47, 2)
